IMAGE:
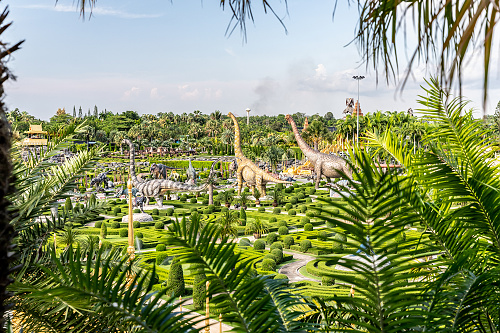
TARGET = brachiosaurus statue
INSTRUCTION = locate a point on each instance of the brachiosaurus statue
(247, 170)
(157, 187)
(324, 164)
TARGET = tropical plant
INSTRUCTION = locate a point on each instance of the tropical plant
(226, 196)
(244, 199)
(227, 224)
(256, 227)
(277, 196)
(316, 132)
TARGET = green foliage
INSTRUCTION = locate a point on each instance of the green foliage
(305, 220)
(161, 247)
(308, 227)
(169, 211)
(98, 224)
(123, 232)
(245, 242)
(161, 258)
(136, 211)
(310, 214)
(68, 205)
(199, 289)
(305, 245)
(115, 225)
(301, 196)
(276, 245)
(159, 225)
(175, 283)
(312, 190)
(303, 208)
(322, 235)
(278, 254)
(288, 241)
(292, 212)
(327, 280)
(294, 200)
(282, 224)
(261, 209)
(288, 206)
(259, 244)
(283, 231)
(271, 238)
(268, 265)
(155, 211)
(193, 200)
(277, 210)
(280, 277)
(116, 211)
(273, 219)
(104, 231)
(137, 224)
(139, 234)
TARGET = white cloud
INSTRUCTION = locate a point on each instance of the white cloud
(187, 93)
(132, 92)
(96, 11)
(154, 94)
(230, 52)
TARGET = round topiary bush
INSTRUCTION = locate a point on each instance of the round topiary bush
(211, 207)
(294, 200)
(273, 219)
(276, 245)
(322, 235)
(116, 211)
(310, 214)
(308, 200)
(280, 277)
(278, 254)
(282, 224)
(312, 190)
(270, 256)
(137, 211)
(288, 190)
(271, 238)
(301, 195)
(336, 245)
(305, 245)
(159, 225)
(98, 224)
(183, 198)
(205, 201)
(161, 247)
(292, 212)
(169, 212)
(259, 244)
(123, 232)
(161, 258)
(308, 227)
(277, 210)
(261, 209)
(305, 220)
(244, 242)
(115, 225)
(137, 224)
(288, 241)
(193, 209)
(288, 206)
(139, 234)
(104, 231)
(193, 200)
(224, 209)
(303, 208)
(268, 265)
(283, 231)
(327, 281)
(207, 211)
(155, 211)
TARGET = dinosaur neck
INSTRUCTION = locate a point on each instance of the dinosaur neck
(237, 140)
(302, 144)
(132, 161)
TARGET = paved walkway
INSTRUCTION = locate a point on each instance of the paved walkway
(292, 270)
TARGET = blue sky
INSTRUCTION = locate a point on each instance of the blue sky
(159, 56)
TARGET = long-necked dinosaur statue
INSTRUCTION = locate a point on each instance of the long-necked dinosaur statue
(157, 187)
(324, 164)
(247, 170)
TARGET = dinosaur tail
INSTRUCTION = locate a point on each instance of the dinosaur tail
(132, 160)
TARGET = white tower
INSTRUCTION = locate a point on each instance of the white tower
(248, 116)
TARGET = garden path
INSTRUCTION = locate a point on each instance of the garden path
(292, 270)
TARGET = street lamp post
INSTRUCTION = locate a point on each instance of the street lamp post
(357, 78)
(248, 116)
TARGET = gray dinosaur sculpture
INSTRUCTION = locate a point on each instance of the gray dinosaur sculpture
(158, 170)
(157, 187)
(324, 164)
(191, 172)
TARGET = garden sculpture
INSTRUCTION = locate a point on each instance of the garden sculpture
(326, 165)
(100, 179)
(158, 170)
(191, 173)
(247, 170)
(233, 167)
(157, 187)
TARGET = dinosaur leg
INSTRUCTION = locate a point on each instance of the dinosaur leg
(240, 180)
(317, 171)
(252, 188)
(260, 186)
(159, 200)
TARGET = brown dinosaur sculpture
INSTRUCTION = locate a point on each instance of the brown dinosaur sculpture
(324, 164)
(247, 170)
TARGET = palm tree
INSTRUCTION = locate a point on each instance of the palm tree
(244, 199)
(277, 196)
(226, 196)
(273, 155)
(257, 228)
(69, 236)
(315, 132)
(227, 224)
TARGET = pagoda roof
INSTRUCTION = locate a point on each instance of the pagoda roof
(36, 129)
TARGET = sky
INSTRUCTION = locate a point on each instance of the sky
(155, 56)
